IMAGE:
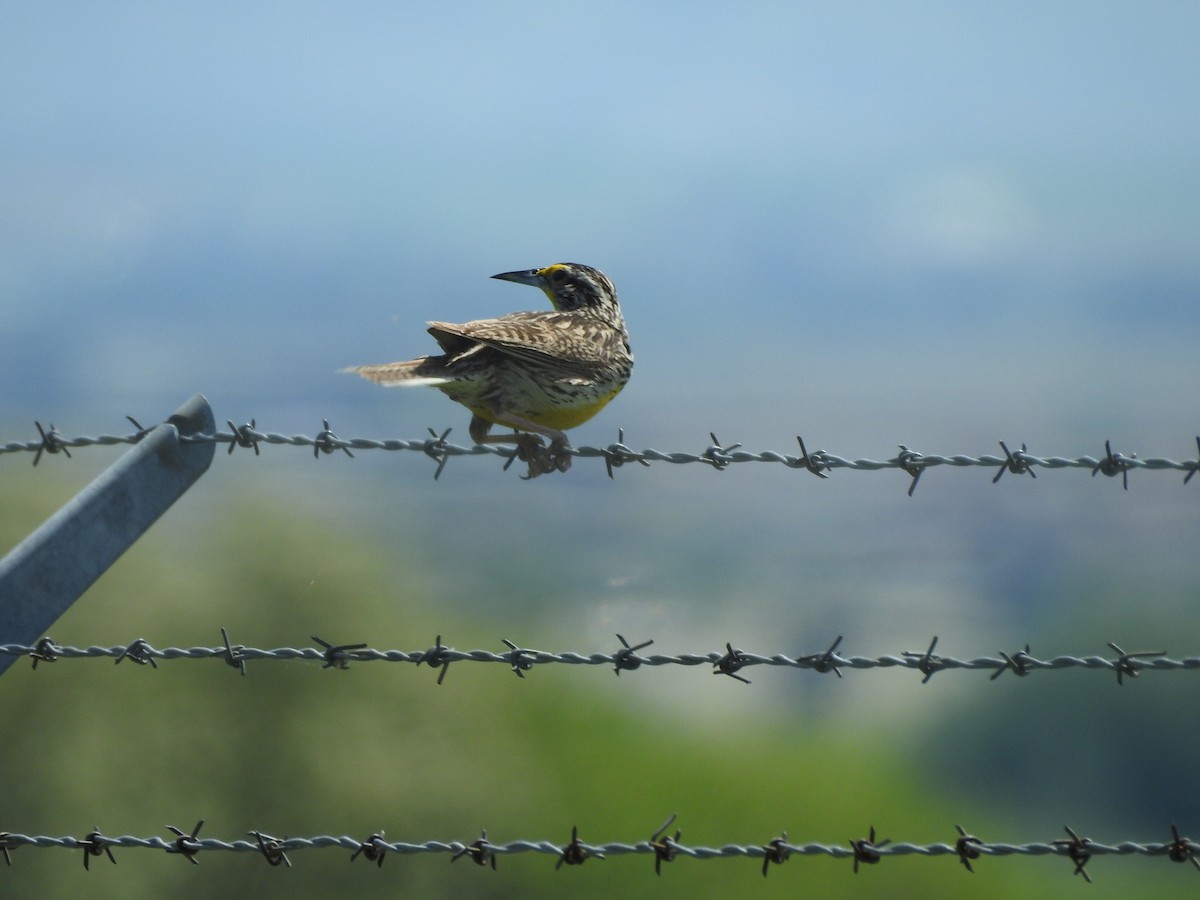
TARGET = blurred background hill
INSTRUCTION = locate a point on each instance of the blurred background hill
(927, 224)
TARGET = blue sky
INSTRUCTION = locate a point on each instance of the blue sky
(932, 223)
(201, 197)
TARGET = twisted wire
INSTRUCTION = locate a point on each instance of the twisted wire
(716, 455)
(520, 660)
(966, 848)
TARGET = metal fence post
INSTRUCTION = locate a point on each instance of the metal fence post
(53, 566)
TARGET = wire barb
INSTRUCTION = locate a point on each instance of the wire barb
(338, 656)
(575, 853)
(186, 844)
(95, 844)
(45, 651)
(1126, 663)
(141, 432)
(51, 442)
(927, 663)
(1016, 462)
(480, 851)
(436, 657)
(1114, 464)
(665, 849)
(823, 662)
(730, 663)
(235, 654)
(435, 449)
(1018, 662)
(521, 660)
(1193, 466)
(776, 851)
(626, 658)
(967, 847)
(373, 849)
(866, 850)
(243, 436)
(328, 442)
(271, 848)
(717, 455)
(1181, 849)
(1077, 850)
(616, 455)
(913, 463)
(139, 652)
(815, 463)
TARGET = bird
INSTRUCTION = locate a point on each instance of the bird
(538, 373)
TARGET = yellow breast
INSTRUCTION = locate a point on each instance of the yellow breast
(559, 415)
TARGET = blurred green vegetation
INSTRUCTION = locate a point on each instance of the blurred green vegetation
(293, 749)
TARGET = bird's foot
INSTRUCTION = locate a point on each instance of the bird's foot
(540, 459)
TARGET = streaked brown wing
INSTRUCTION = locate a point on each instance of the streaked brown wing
(545, 339)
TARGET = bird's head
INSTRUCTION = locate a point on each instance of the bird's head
(570, 286)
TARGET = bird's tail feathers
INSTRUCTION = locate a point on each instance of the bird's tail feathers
(399, 374)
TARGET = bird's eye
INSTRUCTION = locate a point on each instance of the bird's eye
(559, 276)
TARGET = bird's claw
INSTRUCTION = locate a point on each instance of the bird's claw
(560, 455)
(540, 459)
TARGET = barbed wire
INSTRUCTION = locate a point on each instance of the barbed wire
(967, 848)
(625, 659)
(716, 455)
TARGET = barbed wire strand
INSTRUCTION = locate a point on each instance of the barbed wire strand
(520, 660)
(968, 848)
(716, 455)
(867, 850)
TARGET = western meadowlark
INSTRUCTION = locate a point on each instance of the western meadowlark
(538, 373)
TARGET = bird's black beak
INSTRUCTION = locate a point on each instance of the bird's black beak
(532, 277)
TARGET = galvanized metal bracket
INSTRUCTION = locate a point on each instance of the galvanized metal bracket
(53, 566)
